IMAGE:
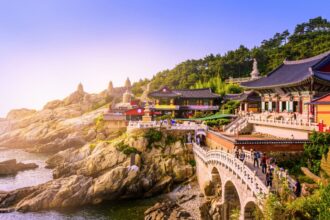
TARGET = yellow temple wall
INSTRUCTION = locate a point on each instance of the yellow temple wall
(323, 113)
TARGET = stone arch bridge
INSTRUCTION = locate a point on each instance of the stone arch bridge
(233, 181)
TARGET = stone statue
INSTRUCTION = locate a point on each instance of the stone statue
(255, 72)
(146, 90)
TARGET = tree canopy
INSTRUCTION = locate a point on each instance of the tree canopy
(308, 39)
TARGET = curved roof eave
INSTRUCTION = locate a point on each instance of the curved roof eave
(279, 85)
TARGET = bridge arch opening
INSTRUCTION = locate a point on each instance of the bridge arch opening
(232, 203)
(252, 211)
(216, 182)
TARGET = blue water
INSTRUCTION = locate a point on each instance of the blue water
(119, 210)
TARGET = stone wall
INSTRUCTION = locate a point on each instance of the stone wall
(281, 132)
(216, 142)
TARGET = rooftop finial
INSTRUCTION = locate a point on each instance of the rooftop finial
(255, 72)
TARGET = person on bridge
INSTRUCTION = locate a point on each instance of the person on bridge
(237, 153)
(269, 178)
(264, 163)
(256, 157)
(242, 155)
(189, 137)
(297, 188)
(198, 141)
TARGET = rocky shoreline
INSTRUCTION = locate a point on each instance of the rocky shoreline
(183, 203)
(90, 175)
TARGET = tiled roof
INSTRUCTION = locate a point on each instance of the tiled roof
(184, 93)
(196, 93)
(249, 96)
(291, 72)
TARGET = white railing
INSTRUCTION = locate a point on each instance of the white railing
(157, 124)
(281, 174)
(238, 167)
(296, 124)
(237, 126)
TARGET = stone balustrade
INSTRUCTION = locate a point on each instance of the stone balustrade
(281, 174)
(156, 124)
(295, 124)
(239, 168)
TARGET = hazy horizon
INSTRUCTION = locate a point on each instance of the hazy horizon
(49, 47)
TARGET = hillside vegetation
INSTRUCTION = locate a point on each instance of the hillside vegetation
(308, 39)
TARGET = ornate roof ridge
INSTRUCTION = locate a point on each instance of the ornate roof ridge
(317, 57)
(191, 89)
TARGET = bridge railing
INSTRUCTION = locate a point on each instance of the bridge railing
(296, 124)
(281, 173)
(238, 167)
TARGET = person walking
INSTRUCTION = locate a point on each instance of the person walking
(198, 140)
(269, 178)
(297, 188)
(237, 153)
(242, 155)
(256, 156)
(264, 163)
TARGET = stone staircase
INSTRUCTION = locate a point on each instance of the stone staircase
(240, 125)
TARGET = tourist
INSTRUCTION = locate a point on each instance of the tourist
(264, 163)
(189, 137)
(242, 155)
(237, 153)
(269, 178)
(256, 156)
(297, 188)
(198, 140)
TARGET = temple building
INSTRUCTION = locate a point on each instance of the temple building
(249, 101)
(321, 109)
(185, 102)
(288, 88)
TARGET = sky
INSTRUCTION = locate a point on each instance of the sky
(47, 47)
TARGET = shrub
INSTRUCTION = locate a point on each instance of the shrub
(170, 139)
(152, 135)
(130, 150)
(314, 151)
(192, 163)
(99, 121)
(126, 149)
(217, 122)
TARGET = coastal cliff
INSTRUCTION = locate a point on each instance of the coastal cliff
(129, 166)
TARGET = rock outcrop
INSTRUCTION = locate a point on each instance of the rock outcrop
(167, 210)
(105, 170)
(20, 113)
(61, 124)
(10, 167)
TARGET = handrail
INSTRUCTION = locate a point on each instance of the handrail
(282, 174)
(291, 123)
